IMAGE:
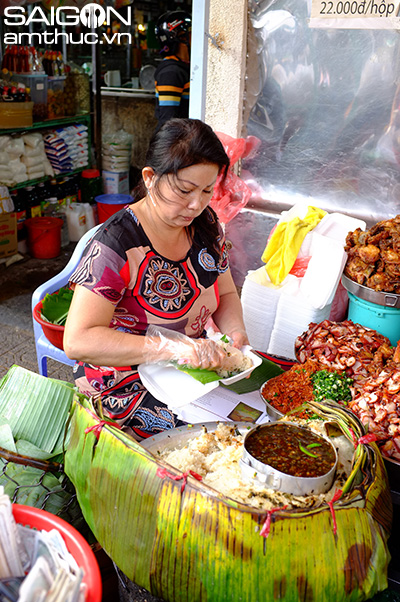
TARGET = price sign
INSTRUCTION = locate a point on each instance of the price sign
(355, 14)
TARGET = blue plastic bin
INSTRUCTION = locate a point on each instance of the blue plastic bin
(385, 320)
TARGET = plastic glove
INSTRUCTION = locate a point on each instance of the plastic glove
(239, 338)
(163, 345)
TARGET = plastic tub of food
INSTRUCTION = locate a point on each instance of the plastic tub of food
(55, 96)
(37, 82)
(288, 458)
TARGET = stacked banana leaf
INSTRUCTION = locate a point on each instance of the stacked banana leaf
(34, 411)
(184, 542)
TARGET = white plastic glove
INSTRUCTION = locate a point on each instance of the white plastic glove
(163, 346)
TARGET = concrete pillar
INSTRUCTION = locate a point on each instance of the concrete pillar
(227, 34)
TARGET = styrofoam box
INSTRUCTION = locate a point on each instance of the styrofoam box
(115, 183)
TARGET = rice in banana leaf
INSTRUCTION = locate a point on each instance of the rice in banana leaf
(183, 541)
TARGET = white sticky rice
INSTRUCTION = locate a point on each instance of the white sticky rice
(235, 362)
(215, 457)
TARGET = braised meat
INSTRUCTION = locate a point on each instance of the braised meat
(374, 256)
(374, 366)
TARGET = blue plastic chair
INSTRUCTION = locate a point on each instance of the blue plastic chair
(45, 349)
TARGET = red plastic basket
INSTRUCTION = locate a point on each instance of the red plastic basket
(75, 542)
(53, 332)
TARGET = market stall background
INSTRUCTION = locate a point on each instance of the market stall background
(325, 105)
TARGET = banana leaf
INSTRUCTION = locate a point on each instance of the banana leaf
(36, 408)
(184, 542)
(55, 307)
(257, 378)
(200, 374)
(34, 413)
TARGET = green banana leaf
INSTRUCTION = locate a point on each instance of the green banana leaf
(200, 374)
(34, 413)
(36, 408)
(184, 542)
(257, 378)
(55, 307)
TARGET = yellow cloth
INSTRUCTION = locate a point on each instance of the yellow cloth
(285, 242)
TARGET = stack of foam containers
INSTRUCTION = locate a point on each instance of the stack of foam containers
(275, 316)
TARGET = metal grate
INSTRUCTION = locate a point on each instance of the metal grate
(41, 484)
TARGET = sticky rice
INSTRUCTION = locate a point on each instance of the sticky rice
(234, 363)
(215, 457)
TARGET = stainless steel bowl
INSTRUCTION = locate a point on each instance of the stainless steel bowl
(368, 294)
(272, 412)
(264, 475)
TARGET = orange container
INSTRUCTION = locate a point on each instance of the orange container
(53, 332)
(76, 544)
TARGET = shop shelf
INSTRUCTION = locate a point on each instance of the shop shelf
(56, 176)
(49, 123)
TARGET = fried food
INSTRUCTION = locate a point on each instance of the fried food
(374, 256)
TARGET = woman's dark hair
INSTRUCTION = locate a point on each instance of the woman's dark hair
(180, 143)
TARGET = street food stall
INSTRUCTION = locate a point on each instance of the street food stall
(201, 512)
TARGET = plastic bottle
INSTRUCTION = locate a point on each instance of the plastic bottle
(54, 64)
(60, 63)
(41, 192)
(33, 204)
(45, 62)
(14, 60)
(76, 220)
(90, 216)
(91, 186)
(62, 192)
(20, 207)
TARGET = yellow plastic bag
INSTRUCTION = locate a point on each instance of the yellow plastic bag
(284, 245)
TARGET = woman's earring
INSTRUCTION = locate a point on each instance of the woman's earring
(151, 197)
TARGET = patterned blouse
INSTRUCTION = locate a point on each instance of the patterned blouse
(121, 265)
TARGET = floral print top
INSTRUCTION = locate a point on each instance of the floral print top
(121, 264)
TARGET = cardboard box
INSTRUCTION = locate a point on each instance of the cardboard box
(8, 234)
(115, 183)
(16, 114)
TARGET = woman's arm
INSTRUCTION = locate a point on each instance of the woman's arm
(229, 315)
(89, 338)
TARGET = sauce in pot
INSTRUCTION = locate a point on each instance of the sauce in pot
(292, 450)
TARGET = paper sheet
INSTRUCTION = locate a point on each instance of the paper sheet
(223, 404)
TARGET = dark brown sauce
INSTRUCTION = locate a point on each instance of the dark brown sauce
(292, 450)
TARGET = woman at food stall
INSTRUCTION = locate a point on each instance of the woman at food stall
(150, 279)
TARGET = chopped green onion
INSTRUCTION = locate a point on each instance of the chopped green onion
(331, 385)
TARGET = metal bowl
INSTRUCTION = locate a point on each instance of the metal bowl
(368, 294)
(272, 412)
(258, 473)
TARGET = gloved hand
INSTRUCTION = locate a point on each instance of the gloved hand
(163, 345)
